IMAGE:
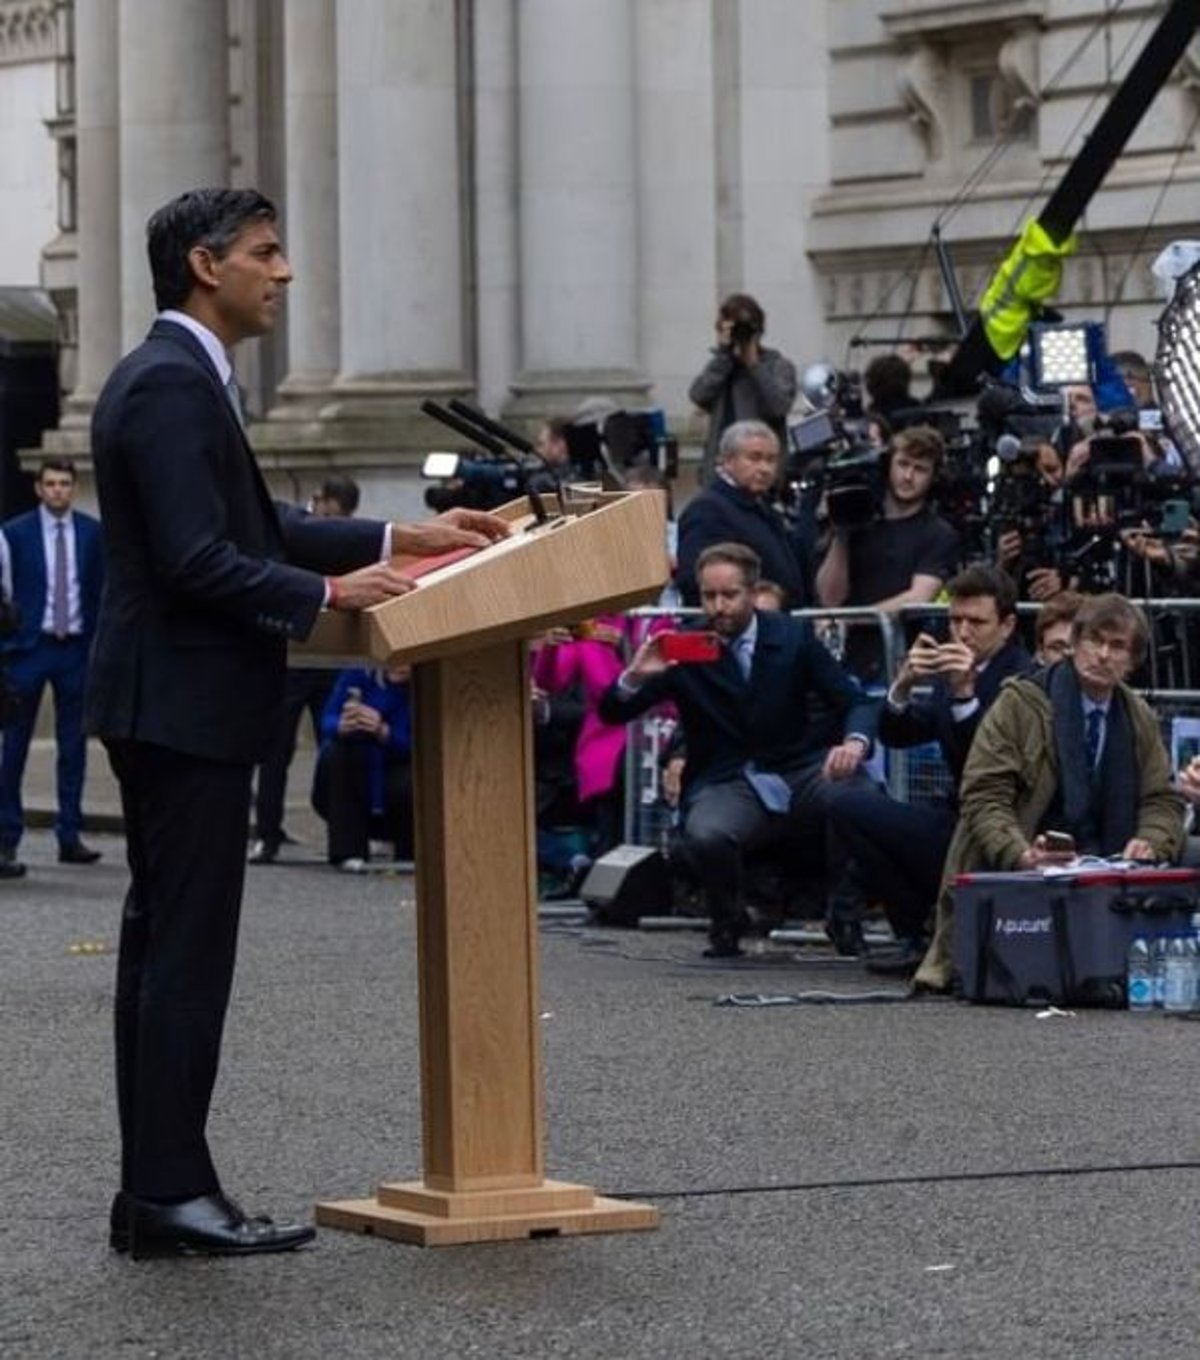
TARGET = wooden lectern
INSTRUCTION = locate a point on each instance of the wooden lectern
(466, 628)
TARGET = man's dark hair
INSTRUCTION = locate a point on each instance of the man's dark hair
(742, 307)
(734, 555)
(212, 218)
(1112, 613)
(59, 463)
(979, 580)
(887, 380)
(343, 490)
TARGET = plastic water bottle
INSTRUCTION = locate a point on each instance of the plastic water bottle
(1180, 992)
(1158, 968)
(1139, 977)
(1192, 953)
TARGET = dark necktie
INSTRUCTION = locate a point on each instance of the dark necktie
(235, 400)
(60, 604)
(1095, 726)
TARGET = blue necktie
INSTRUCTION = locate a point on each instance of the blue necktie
(1095, 727)
(744, 655)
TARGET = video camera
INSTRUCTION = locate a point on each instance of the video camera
(473, 480)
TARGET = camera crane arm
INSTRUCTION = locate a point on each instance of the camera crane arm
(1008, 309)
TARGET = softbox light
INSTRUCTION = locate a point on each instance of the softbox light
(1177, 366)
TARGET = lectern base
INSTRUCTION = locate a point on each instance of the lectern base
(411, 1212)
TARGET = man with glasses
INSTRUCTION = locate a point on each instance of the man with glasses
(738, 508)
(1072, 750)
(900, 848)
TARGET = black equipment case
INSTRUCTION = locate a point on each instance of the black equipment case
(1033, 937)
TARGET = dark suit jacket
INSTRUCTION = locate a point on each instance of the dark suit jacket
(932, 719)
(728, 721)
(207, 577)
(24, 535)
(724, 513)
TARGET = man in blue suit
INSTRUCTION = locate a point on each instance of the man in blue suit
(759, 758)
(57, 575)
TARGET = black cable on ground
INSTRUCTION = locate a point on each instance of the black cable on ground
(887, 1182)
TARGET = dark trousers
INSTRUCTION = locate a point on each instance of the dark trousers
(726, 820)
(185, 826)
(63, 666)
(343, 796)
(899, 850)
(305, 689)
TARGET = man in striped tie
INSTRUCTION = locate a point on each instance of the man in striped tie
(57, 575)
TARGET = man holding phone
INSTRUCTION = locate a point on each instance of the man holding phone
(759, 759)
(1070, 750)
(900, 847)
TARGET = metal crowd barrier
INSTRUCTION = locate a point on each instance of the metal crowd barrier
(918, 774)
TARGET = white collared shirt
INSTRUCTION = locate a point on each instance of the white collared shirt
(216, 351)
(49, 525)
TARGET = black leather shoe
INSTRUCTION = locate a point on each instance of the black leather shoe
(723, 945)
(208, 1226)
(264, 851)
(118, 1222)
(10, 865)
(75, 852)
(846, 936)
(902, 960)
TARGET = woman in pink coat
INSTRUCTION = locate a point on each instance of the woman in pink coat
(590, 656)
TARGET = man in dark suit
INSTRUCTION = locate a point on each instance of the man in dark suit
(57, 575)
(900, 848)
(736, 508)
(208, 579)
(758, 760)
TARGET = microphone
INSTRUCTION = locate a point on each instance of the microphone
(493, 446)
(1008, 448)
(517, 441)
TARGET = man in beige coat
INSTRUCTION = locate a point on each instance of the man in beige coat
(1071, 749)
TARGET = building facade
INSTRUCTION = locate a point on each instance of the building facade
(532, 202)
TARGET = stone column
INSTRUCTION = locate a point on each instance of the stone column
(495, 162)
(400, 206)
(311, 217)
(99, 258)
(174, 126)
(578, 204)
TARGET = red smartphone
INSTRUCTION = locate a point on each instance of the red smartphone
(689, 646)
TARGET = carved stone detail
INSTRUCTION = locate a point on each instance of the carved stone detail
(924, 83)
(27, 31)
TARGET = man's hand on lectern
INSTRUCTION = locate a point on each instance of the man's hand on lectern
(458, 528)
(367, 586)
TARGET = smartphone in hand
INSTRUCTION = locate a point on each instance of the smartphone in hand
(689, 647)
(1060, 842)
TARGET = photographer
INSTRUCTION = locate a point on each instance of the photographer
(743, 379)
(1028, 520)
(902, 558)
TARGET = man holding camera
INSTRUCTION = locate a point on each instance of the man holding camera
(743, 379)
(902, 558)
(1067, 760)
